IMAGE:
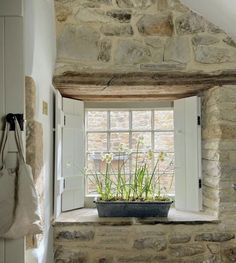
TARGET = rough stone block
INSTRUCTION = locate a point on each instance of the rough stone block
(186, 250)
(229, 41)
(131, 52)
(76, 235)
(229, 254)
(89, 15)
(177, 49)
(189, 23)
(78, 42)
(152, 25)
(214, 54)
(104, 50)
(125, 3)
(120, 15)
(30, 98)
(34, 147)
(214, 237)
(211, 28)
(117, 30)
(62, 12)
(205, 40)
(158, 244)
(136, 4)
(179, 238)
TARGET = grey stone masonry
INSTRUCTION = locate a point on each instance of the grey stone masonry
(139, 33)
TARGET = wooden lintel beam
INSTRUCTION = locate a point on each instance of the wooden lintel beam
(136, 86)
(146, 78)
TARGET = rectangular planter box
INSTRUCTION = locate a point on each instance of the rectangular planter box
(132, 209)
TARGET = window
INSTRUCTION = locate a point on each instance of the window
(79, 143)
(106, 129)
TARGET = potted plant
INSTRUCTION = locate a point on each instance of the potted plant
(137, 194)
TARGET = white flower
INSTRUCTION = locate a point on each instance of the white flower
(162, 156)
(121, 147)
(149, 154)
(141, 139)
(128, 151)
(107, 157)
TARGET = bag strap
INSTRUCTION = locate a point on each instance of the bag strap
(4, 145)
(19, 141)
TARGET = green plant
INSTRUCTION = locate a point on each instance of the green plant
(143, 185)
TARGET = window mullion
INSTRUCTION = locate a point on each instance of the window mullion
(108, 130)
(130, 138)
(152, 136)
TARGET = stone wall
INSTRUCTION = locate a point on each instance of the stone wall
(219, 150)
(34, 151)
(138, 35)
(160, 243)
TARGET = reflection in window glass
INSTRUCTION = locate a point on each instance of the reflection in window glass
(141, 120)
(97, 142)
(164, 141)
(116, 138)
(119, 120)
(97, 120)
(164, 120)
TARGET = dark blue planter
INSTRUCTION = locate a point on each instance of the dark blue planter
(132, 209)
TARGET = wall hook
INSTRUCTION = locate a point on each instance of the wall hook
(10, 118)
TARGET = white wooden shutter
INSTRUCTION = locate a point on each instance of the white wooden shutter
(187, 125)
(73, 154)
(69, 143)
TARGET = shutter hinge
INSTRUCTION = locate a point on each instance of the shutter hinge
(200, 183)
(64, 183)
(64, 120)
(198, 120)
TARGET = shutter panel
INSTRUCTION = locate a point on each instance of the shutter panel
(58, 179)
(187, 114)
(73, 154)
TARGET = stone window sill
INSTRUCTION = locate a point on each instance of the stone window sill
(89, 216)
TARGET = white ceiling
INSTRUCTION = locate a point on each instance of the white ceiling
(220, 12)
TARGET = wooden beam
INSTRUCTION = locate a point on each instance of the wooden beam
(138, 85)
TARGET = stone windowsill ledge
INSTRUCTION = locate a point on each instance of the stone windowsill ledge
(90, 217)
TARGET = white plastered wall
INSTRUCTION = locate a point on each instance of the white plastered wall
(40, 54)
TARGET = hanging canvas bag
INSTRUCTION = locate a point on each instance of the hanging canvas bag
(27, 216)
(7, 187)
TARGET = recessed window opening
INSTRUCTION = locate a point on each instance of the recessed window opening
(117, 131)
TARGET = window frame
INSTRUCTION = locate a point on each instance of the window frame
(124, 106)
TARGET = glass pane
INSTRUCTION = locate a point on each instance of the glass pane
(119, 120)
(141, 120)
(117, 138)
(97, 120)
(168, 184)
(164, 120)
(94, 163)
(91, 185)
(164, 141)
(136, 136)
(97, 142)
